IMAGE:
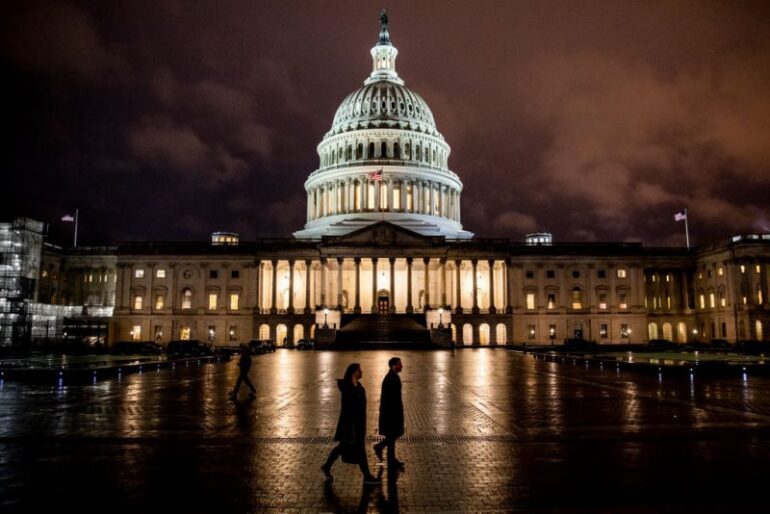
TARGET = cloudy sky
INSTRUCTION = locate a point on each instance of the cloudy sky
(596, 121)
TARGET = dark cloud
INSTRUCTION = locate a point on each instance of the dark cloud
(594, 120)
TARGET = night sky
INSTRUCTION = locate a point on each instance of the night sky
(596, 121)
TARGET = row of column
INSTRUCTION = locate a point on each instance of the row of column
(352, 195)
(392, 261)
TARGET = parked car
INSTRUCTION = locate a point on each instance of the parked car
(305, 344)
(136, 348)
(662, 344)
(753, 346)
(260, 346)
(191, 348)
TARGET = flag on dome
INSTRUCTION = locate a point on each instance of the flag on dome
(680, 216)
(375, 175)
(68, 217)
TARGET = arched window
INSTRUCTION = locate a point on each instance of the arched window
(264, 331)
(396, 151)
(759, 331)
(484, 333)
(418, 153)
(187, 298)
(681, 332)
(577, 298)
(652, 331)
(501, 334)
(359, 151)
(349, 153)
(299, 332)
(467, 334)
(454, 332)
(668, 332)
(407, 151)
(383, 150)
(370, 153)
(280, 335)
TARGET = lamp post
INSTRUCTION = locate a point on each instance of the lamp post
(326, 313)
(440, 315)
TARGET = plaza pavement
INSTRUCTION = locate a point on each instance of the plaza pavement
(488, 430)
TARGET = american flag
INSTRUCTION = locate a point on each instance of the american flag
(375, 175)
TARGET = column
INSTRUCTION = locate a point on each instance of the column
(290, 310)
(389, 202)
(258, 285)
(340, 262)
(432, 198)
(323, 283)
(357, 308)
(509, 288)
(307, 286)
(475, 263)
(309, 203)
(426, 273)
(403, 195)
(458, 290)
(442, 264)
(374, 285)
(392, 306)
(274, 289)
(492, 308)
(409, 307)
(441, 200)
(377, 186)
(349, 195)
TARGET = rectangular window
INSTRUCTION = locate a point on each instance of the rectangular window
(702, 301)
(745, 300)
(759, 297)
(233, 333)
(720, 271)
(552, 331)
(184, 333)
(161, 273)
(136, 333)
(212, 301)
(624, 332)
(212, 333)
(602, 301)
(530, 301)
(90, 277)
(722, 301)
(550, 273)
(743, 268)
(758, 269)
(622, 301)
(530, 274)
(712, 300)
(603, 331)
(700, 275)
(622, 273)
(601, 273)
(139, 273)
(551, 301)
(138, 302)
(531, 333)
(668, 302)
(234, 300)
(158, 332)
(235, 273)
(723, 329)
(213, 273)
(160, 302)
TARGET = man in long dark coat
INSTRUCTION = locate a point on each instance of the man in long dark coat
(391, 413)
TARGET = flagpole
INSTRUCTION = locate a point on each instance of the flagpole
(76, 229)
(686, 230)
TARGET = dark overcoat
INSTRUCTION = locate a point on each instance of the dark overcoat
(352, 423)
(391, 406)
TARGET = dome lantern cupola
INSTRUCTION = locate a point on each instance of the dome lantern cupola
(384, 56)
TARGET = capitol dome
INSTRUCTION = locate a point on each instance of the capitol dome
(383, 160)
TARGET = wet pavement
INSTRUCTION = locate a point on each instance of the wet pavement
(488, 430)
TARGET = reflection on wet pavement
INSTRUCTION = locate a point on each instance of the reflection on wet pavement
(487, 429)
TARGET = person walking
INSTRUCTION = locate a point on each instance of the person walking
(391, 413)
(351, 427)
(244, 364)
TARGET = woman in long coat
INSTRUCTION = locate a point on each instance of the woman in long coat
(351, 427)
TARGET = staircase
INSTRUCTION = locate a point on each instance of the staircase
(383, 330)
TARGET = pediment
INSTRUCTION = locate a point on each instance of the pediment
(383, 233)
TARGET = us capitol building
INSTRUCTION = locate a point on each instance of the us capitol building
(383, 256)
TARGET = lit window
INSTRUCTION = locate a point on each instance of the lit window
(234, 299)
(758, 269)
(577, 298)
(655, 278)
(702, 301)
(139, 273)
(187, 299)
(712, 300)
(551, 301)
(552, 331)
(668, 277)
(745, 300)
(622, 301)
(668, 302)
(161, 273)
(624, 331)
(136, 333)
(530, 301)
(622, 273)
(233, 333)
(720, 271)
(602, 300)
(137, 302)
(723, 301)
(90, 277)
(45, 273)
(603, 331)
(212, 301)
(759, 297)
(700, 275)
(531, 331)
(184, 333)
(743, 268)
(160, 301)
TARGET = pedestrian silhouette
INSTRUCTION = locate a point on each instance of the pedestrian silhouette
(391, 413)
(244, 365)
(351, 427)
